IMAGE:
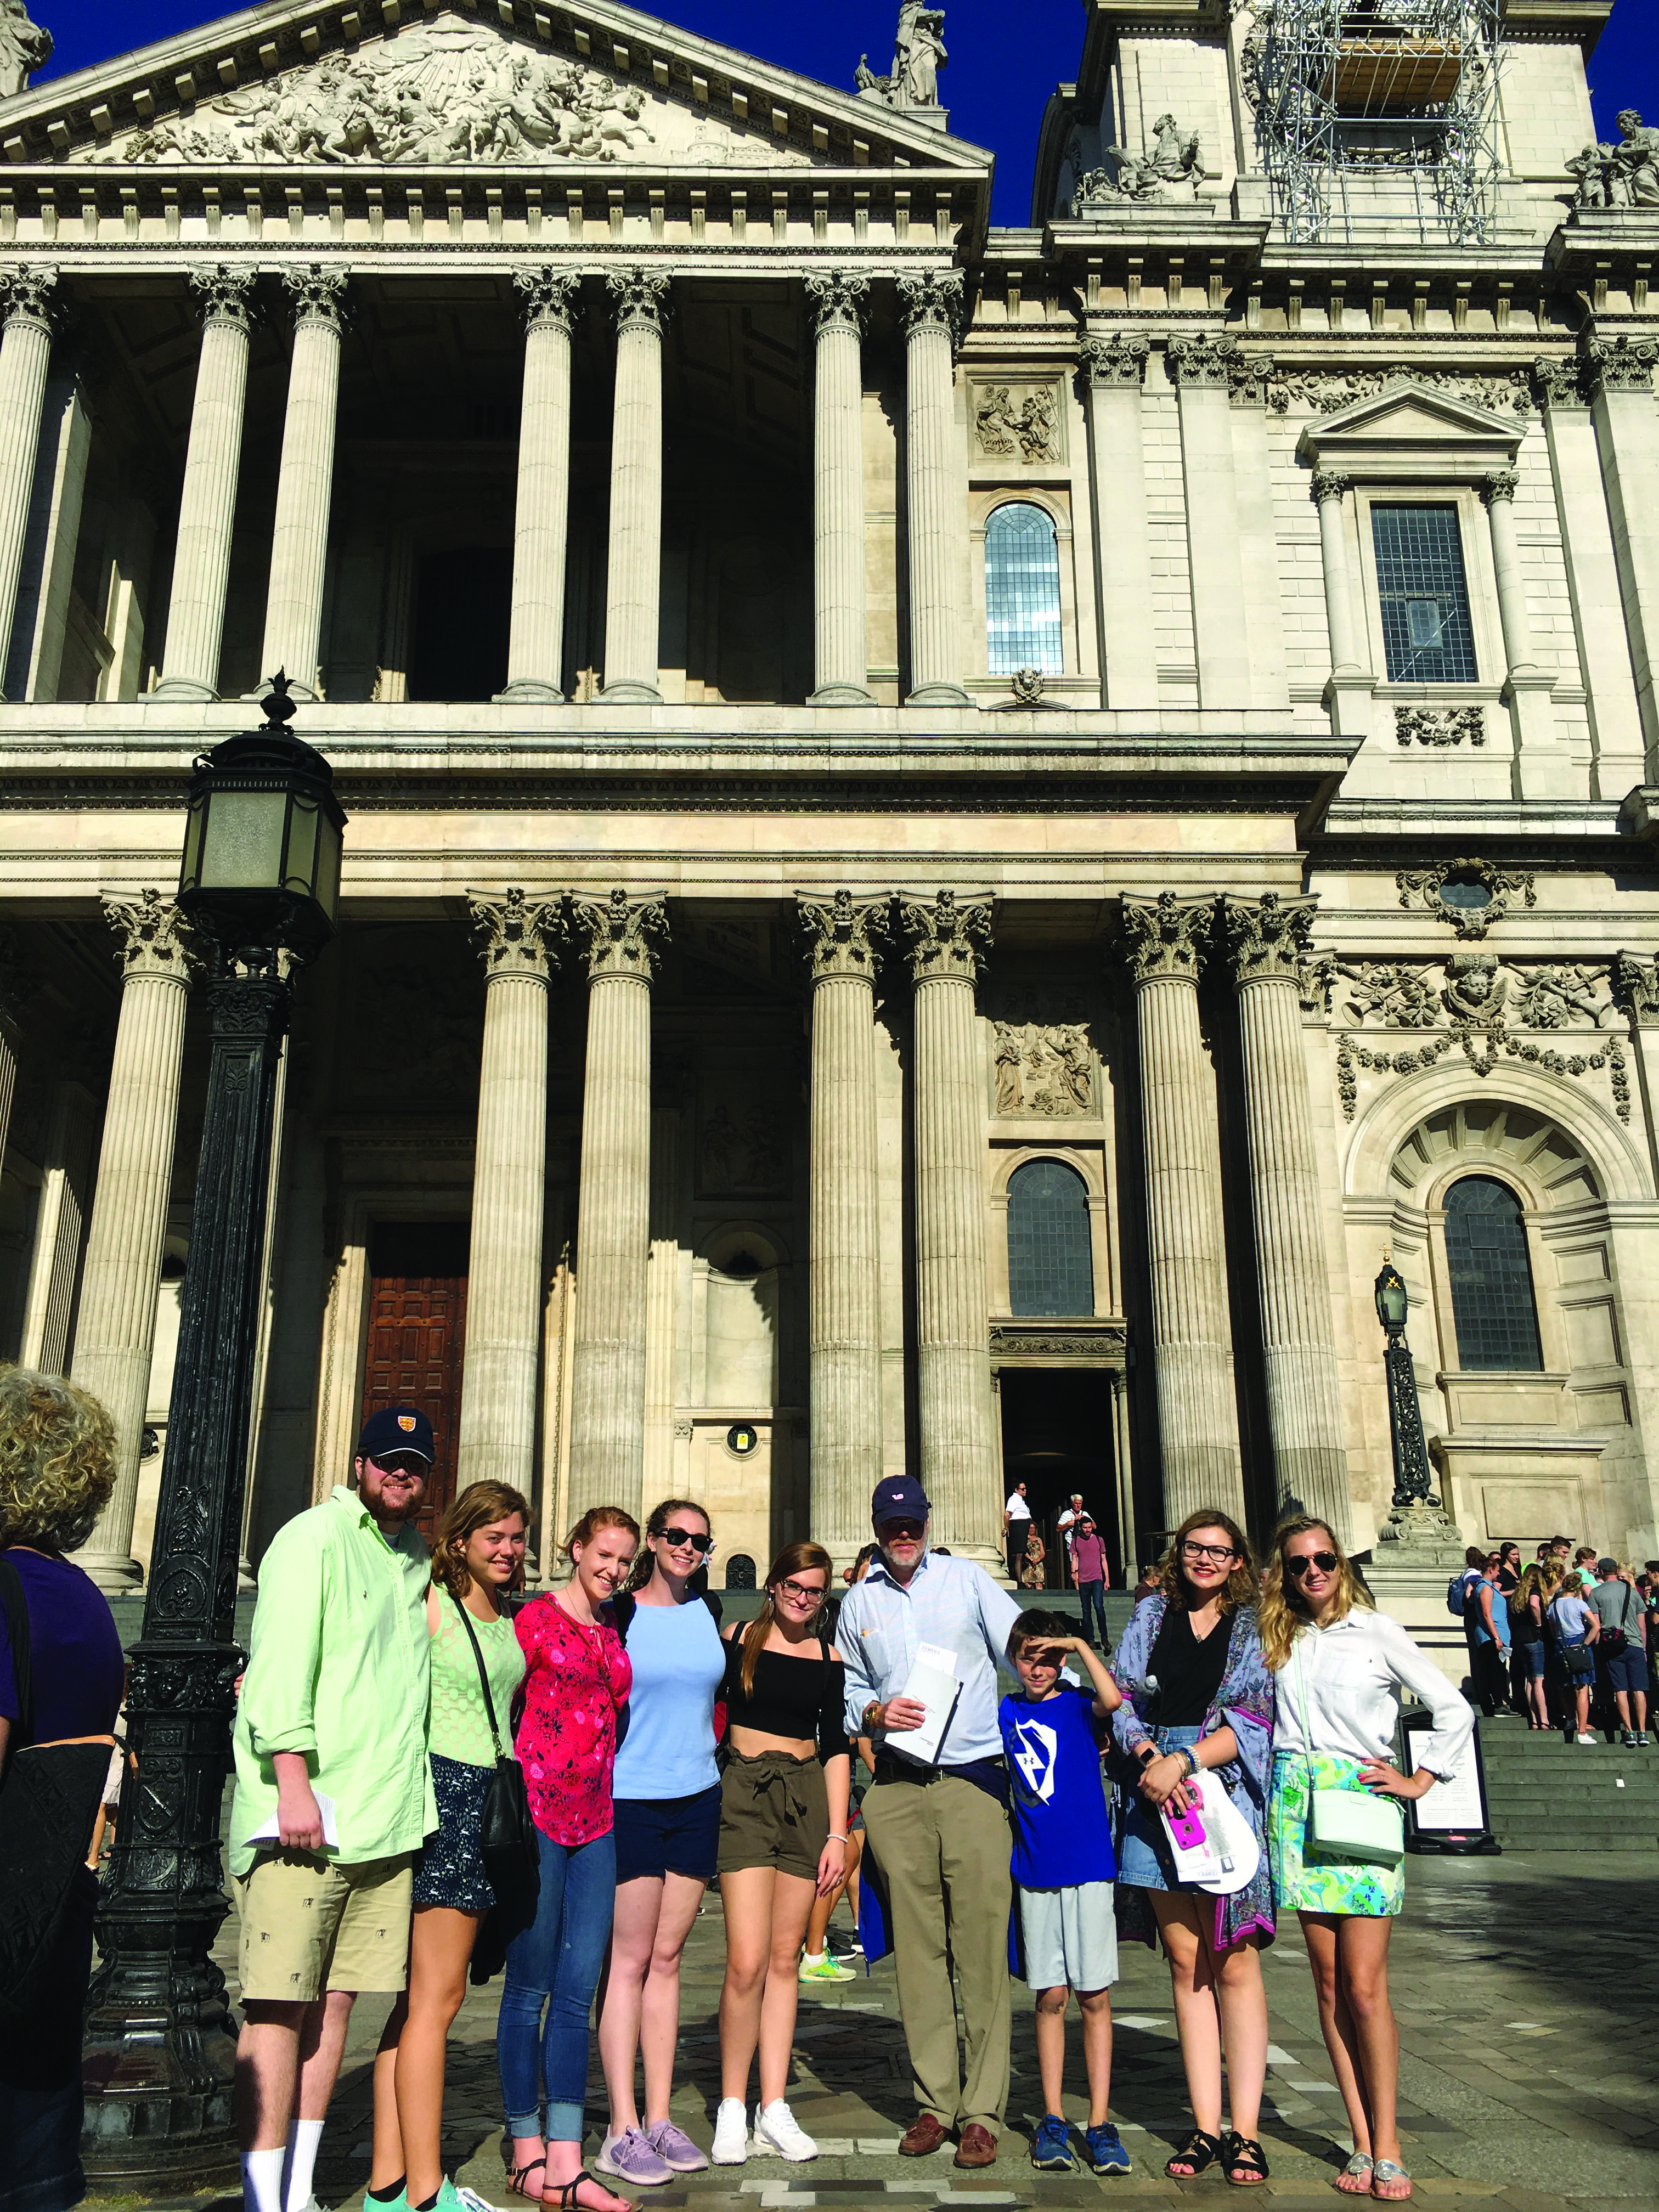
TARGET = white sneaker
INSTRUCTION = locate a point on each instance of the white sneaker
(731, 2145)
(1587, 1739)
(777, 2130)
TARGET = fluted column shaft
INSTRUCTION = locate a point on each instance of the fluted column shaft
(207, 503)
(1115, 367)
(930, 305)
(25, 355)
(1203, 366)
(1198, 1417)
(1619, 376)
(845, 1227)
(840, 647)
(115, 1336)
(305, 482)
(535, 653)
(1268, 941)
(613, 1198)
(1330, 490)
(953, 1362)
(634, 571)
(59, 1219)
(501, 1360)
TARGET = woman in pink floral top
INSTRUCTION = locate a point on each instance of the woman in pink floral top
(577, 1677)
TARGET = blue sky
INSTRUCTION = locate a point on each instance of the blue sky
(996, 84)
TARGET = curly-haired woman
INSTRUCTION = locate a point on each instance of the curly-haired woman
(1339, 1668)
(1195, 1638)
(57, 1471)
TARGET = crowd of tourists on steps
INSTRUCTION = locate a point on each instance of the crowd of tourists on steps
(436, 1778)
(1562, 1640)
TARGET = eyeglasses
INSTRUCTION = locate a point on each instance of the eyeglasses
(800, 1593)
(1325, 1561)
(1219, 1553)
(677, 1538)
(892, 1529)
(409, 1463)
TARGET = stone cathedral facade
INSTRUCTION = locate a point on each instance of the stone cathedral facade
(953, 830)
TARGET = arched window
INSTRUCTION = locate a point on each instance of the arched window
(1022, 590)
(1492, 1304)
(1050, 1270)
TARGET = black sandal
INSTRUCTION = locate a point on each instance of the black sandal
(515, 2175)
(1243, 2157)
(567, 2192)
(1200, 2152)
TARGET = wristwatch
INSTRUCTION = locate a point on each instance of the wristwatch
(1149, 1755)
(874, 1706)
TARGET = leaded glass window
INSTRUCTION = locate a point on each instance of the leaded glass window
(1050, 1270)
(1492, 1302)
(1022, 590)
(1424, 594)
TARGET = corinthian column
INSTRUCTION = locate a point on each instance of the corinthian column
(613, 1200)
(953, 1359)
(845, 1391)
(535, 652)
(1619, 376)
(1267, 939)
(305, 484)
(207, 505)
(115, 1335)
(1197, 1417)
(509, 1175)
(1349, 673)
(931, 309)
(25, 352)
(1201, 364)
(59, 1218)
(634, 574)
(1544, 768)
(1115, 366)
(835, 300)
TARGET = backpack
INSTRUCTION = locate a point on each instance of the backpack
(1457, 1592)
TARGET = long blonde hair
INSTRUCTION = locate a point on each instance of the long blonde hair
(790, 1561)
(1242, 1584)
(1282, 1609)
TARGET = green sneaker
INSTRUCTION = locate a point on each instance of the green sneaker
(825, 1969)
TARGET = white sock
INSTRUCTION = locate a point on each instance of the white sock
(812, 1957)
(262, 2180)
(303, 2139)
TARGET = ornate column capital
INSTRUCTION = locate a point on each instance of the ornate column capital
(620, 934)
(26, 293)
(548, 294)
(1167, 937)
(155, 938)
(224, 295)
(1329, 484)
(931, 300)
(1635, 983)
(1624, 365)
(1204, 358)
(1559, 383)
(639, 295)
(1269, 939)
(1250, 378)
(515, 935)
(946, 939)
(838, 932)
(836, 299)
(1114, 357)
(319, 294)
(1500, 484)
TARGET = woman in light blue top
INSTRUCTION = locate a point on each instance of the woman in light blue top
(667, 1796)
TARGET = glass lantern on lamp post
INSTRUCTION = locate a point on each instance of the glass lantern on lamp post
(259, 883)
(1411, 1484)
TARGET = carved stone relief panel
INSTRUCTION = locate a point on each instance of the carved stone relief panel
(1018, 421)
(417, 1003)
(1046, 1070)
(743, 1139)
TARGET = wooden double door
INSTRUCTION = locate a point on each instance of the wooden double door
(416, 1336)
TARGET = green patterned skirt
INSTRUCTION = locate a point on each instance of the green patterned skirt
(1303, 1880)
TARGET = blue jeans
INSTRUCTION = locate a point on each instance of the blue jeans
(1094, 1594)
(555, 1962)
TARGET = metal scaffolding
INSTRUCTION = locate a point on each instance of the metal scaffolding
(1375, 115)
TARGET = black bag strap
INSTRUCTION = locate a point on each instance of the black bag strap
(484, 1676)
(16, 1604)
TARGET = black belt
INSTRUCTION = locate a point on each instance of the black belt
(990, 1775)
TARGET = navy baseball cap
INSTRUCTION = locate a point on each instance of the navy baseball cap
(397, 1428)
(900, 1498)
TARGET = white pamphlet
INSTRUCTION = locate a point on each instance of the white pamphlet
(268, 1834)
(932, 1682)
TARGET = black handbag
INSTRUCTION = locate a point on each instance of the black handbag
(511, 1853)
(50, 1799)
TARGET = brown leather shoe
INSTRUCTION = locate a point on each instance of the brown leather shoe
(923, 2136)
(976, 2147)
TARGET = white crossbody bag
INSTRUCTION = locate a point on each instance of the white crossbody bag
(1348, 1823)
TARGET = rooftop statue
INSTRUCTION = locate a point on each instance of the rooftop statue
(1171, 172)
(1621, 176)
(24, 47)
(919, 55)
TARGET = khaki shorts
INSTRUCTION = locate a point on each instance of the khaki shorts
(775, 1811)
(310, 1925)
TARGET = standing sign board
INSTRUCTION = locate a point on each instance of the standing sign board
(1453, 1815)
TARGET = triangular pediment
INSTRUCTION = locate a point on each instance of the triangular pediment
(1408, 422)
(439, 84)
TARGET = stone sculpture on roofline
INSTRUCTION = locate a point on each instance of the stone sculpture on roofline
(919, 55)
(24, 47)
(1622, 176)
(1170, 174)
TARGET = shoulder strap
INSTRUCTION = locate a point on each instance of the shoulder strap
(715, 1609)
(622, 1606)
(1302, 1702)
(16, 1606)
(483, 1674)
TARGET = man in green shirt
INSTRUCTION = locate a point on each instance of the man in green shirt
(333, 1795)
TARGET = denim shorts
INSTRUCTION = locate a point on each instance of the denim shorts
(1628, 1669)
(1533, 1657)
(669, 1835)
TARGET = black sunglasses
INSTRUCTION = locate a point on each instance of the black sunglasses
(678, 1538)
(1325, 1561)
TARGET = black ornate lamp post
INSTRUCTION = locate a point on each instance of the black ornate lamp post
(259, 883)
(1412, 1483)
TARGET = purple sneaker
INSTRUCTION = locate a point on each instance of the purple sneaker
(629, 2157)
(675, 2148)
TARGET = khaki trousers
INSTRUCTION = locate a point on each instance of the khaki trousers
(943, 1846)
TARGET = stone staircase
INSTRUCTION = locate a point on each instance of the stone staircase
(1545, 1794)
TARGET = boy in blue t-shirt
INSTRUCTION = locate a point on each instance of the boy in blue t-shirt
(1064, 1868)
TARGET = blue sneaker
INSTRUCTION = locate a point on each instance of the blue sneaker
(1106, 2151)
(1051, 2146)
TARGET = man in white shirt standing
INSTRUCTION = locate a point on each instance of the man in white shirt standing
(1016, 1526)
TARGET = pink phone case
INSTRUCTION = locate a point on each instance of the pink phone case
(1187, 1828)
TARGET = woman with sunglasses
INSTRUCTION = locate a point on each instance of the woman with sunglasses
(783, 1839)
(667, 1791)
(1197, 1694)
(1339, 1668)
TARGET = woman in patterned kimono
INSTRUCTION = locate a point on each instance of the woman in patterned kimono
(1197, 1694)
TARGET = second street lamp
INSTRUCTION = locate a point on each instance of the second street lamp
(259, 883)
(1413, 1485)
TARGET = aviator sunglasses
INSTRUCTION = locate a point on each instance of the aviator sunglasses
(677, 1538)
(1325, 1561)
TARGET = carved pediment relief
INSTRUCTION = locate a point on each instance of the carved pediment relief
(1412, 429)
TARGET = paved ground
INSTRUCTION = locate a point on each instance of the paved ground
(1527, 2072)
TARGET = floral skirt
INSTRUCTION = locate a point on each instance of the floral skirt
(1303, 1881)
(449, 1869)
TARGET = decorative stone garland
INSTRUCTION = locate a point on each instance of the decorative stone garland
(1351, 1055)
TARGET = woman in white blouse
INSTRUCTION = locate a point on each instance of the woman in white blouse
(1339, 1669)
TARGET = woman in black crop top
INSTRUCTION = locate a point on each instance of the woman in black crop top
(783, 1839)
